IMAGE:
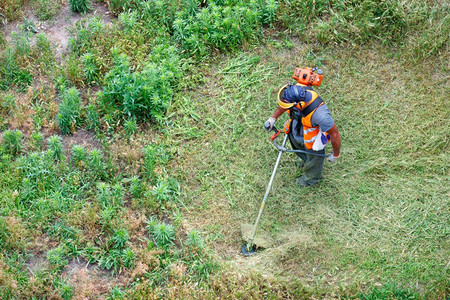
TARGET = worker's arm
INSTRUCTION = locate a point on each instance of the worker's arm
(278, 112)
(335, 143)
(275, 116)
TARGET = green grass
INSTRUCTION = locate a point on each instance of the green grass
(379, 213)
(163, 153)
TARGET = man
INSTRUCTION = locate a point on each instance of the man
(309, 128)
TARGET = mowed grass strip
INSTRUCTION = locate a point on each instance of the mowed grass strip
(379, 216)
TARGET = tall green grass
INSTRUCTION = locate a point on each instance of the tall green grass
(420, 29)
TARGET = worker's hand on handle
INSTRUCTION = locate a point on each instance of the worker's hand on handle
(269, 123)
(332, 159)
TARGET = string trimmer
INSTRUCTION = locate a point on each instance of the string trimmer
(249, 248)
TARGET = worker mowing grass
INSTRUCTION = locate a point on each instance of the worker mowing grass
(310, 125)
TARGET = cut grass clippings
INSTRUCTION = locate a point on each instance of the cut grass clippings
(378, 216)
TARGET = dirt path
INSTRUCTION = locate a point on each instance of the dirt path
(57, 28)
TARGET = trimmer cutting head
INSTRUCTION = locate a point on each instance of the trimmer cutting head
(249, 252)
(260, 241)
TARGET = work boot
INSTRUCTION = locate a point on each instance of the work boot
(302, 182)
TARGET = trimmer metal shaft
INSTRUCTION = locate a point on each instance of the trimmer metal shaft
(252, 236)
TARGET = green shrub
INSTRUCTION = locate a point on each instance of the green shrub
(92, 118)
(120, 238)
(162, 12)
(90, 68)
(150, 160)
(7, 104)
(22, 42)
(43, 53)
(56, 146)
(69, 116)
(267, 10)
(136, 188)
(57, 257)
(73, 70)
(65, 290)
(129, 21)
(107, 215)
(116, 259)
(116, 293)
(80, 6)
(130, 127)
(153, 155)
(221, 27)
(12, 142)
(161, 192)
(118, 6)
(195, 240)
(108, 196)
(86, 34)
(37, 140)
(163, 234)
(39, 174)
(143, 95)
(96, 165)
(62, 231)
(79, 156)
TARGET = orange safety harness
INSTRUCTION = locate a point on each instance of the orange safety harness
(307, 109)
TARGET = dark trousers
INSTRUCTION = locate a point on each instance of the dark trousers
(313, 164)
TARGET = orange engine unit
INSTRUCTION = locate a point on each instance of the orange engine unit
(307, 76)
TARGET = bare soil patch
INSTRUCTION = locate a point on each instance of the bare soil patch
(57, 29)
(88, 281)
(83, 138)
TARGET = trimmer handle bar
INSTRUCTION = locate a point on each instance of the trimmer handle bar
(284, 149)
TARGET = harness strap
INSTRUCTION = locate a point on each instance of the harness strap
(315, 104)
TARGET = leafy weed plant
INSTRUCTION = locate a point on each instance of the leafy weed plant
(163, 234)
(57, 258)
(120, 238)
(136, 187)
(116, 260)
(56, 146)
(154, 155)
(90, 68)
(130, 127)
(79, 156)
(80, 6)
(142, 95)
(92, 118)
(37, 140)
(69, 116)
(12, 142)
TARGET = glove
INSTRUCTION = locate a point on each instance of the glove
(332, 158)
(269, 123)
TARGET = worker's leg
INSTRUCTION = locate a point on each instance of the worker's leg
(313, 170)
(312, 164)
